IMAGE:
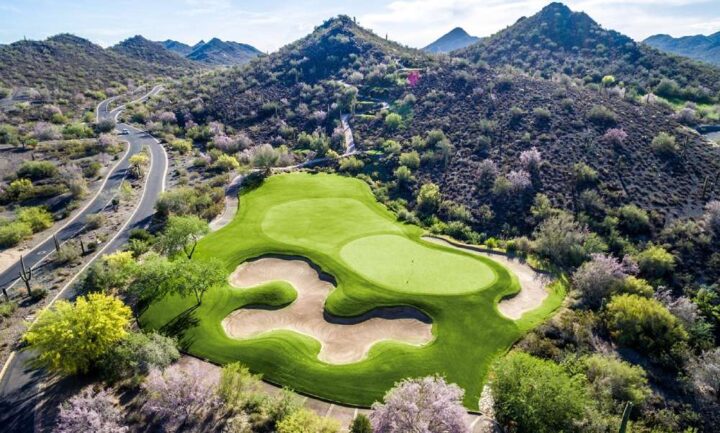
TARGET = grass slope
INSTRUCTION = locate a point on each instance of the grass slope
(375, 261)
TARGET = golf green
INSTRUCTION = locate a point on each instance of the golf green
(374, 261)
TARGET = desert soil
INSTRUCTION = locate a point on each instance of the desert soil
(341, 343)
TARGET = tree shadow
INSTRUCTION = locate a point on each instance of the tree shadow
(181, 323)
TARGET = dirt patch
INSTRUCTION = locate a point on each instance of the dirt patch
(532, 284)
(342, 342)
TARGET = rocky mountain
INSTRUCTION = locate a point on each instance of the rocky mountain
(453, 40)
(698, 47)
(66, 64)
(558, 41)
(143, 49)
(218, 52)
(177, 47)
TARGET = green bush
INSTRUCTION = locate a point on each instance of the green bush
(646, 325)
(410, 160)
(37, 217)
(351, 165)
(664, 144)
(36, 170)
(428, 199)
(67, 254)
(180, 146)
(7, 309)
(361, 424)
(614, 382)
(655, 261)
(11, 234)
(239, 389)
(635, 286)
(602, 116)
(534, 395)
(77, 130)
(307, 421)
(225, 163)
(633, 220)
(137, 354)
(393, 121)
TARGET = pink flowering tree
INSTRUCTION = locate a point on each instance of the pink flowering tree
(427, 405)
(519, 180)
(413, 78)
(179, 396)
(597, 277)
(615, 137)
(90, 411)
(530, 159)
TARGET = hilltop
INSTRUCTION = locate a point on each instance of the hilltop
(698, 47)
(453, 40)
(143, 49)
(218, 52)
(558, 41)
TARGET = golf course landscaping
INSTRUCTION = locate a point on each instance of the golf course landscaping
(421, 307)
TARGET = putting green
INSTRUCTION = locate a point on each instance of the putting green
(411, 267)
(375, 261)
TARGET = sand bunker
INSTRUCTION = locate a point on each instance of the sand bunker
(532, 284)
(343, 341)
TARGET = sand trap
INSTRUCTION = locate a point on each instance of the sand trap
(343, 341)
(532, 284)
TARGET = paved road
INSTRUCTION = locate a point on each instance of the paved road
(19, 391)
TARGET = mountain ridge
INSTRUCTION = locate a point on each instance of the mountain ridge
(698, 47)
(455, 39)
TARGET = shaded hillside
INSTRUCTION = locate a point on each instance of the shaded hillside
(177, 47)
(66, 64)
(217, 52)
(145, 50)
(453, 40)
(698, 47)
(557, 40)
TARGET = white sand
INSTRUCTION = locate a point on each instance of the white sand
(341, 343)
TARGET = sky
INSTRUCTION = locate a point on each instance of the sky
(270, 24)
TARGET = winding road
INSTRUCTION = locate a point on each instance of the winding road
(19, 383)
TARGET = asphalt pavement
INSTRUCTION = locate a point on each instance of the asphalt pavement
(20, 383)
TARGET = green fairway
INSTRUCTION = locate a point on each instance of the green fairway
(375, 261)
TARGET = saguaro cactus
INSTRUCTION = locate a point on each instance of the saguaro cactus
(57, 243)
(625, 417)
(25, 275)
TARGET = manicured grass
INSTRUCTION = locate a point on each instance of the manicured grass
(376, 261)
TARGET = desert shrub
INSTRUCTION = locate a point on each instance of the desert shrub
(239, 389)
(391, 147)
(95, 221)
(633, 285)
(77, 130)
(668, 88)
(201, 134)
(7, 309)
(393, 121)
(91, 411)
(410, 160)
(360, 424)
(633, 220)
(105, 126)
(614, 382)
(36, 170)
(67, 254)
(655, 261)
(44, 131)
(37, 217)
(351, 165)
(137, 354)
(92, 169)
(542, 115)
(601, 115)
(585, 176)
(12, 233)
(553, 407)
(307, 421)
(712, 217)
(530, 159)
(202, 201)
(704, 373)
(687, 116)
(560, 239)
(403, 175)
(428, 198)
(181, 146)
(487, 172)
(664, 144)
(614, 137)
(518, 180)
(9, 135)
(645, 324)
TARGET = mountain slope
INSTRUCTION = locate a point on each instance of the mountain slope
(177, 47)
(557, 40)
(698, 47)
(453, 40)
(140, 48)
(67, 64)
(218, 52)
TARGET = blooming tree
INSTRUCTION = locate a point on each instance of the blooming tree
(705, 374)
(530, 159)
(423, 405)
(90, 411)
(615, 137)
(179, 396)
(519, 180)
(487, 171)
(596, 278)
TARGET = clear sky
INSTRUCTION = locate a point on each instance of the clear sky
(270, 24)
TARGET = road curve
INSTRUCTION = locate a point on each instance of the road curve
(19, 383)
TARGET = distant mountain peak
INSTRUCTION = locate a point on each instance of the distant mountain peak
(455, 39)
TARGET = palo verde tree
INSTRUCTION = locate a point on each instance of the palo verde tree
(182, 233)
(70, 337)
